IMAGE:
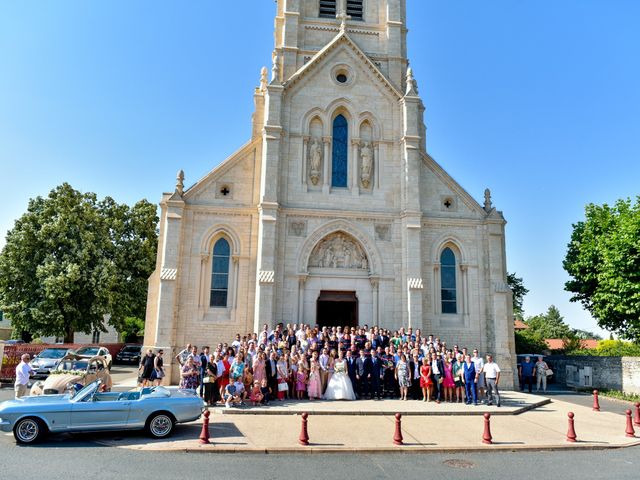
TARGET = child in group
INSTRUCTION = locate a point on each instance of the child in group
(265, 391)
(234, 393)
(256, 394)
(301, 380)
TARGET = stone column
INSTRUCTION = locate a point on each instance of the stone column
(166, 298)
(326, 172)
(268, 209)
(464, 270)
(305, 154)
(354, 171)
(375, 286)
(377, 164)
(302, 280)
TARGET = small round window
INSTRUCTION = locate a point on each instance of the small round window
(342, 78)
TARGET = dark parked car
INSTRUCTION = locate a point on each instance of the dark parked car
(129, 354)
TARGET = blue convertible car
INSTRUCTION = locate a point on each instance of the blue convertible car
(155, 410)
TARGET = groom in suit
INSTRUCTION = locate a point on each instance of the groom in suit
(351, 369)
(375, 370)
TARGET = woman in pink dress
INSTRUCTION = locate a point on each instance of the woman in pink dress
(259, 372)
(314, 388)
(448, 383)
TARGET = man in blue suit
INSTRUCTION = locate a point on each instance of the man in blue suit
(470, 377)
(376, 373)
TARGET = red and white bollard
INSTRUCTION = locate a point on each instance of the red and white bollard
(397, 437)
(629, 432)
(486, 435)
(596, 403)
(571, 433)
(204, 435)
(636, 420)
(304, 433)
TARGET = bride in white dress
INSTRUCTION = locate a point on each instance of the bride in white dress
(339, 387)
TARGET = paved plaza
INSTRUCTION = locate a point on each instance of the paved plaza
(364, 426)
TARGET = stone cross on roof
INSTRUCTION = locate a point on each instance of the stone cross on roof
(343, 17)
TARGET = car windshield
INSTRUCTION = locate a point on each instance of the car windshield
(72, 365)
(93, 351)
(131, 349)
(86, 393)
(53, 353)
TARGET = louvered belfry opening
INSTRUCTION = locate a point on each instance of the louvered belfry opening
(354, 9)
(329, 9)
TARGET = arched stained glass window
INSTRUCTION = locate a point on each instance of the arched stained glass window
(339, 157)
(220, 273)
(448, 281)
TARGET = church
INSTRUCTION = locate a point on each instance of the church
(333, 212)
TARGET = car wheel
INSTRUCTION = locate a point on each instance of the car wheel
(160, 425)
(110, 365)
(29, 430)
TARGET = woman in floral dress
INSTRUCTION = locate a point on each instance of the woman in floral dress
(259, 372)
(403, 376)
(189, 375)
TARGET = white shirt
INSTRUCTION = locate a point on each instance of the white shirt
(324, 361)
(22, 373)
(478, 362)
(491, 370)
(434, 367)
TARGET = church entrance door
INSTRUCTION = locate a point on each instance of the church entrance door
(337, 309)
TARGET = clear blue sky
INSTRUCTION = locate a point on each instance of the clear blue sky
(538, 100)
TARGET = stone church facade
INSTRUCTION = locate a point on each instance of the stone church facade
(333, 212)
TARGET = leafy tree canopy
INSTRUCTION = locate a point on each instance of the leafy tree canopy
(72, 258)
(549, 325)
(603, 261)
(519, 291)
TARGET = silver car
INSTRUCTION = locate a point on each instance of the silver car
(156, 410)
(46, 361)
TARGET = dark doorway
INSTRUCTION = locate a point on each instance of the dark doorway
(337, 309)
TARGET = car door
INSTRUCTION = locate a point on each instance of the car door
(100, 412)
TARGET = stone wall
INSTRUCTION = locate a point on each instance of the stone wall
(617, 373)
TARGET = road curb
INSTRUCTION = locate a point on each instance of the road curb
(407, 449)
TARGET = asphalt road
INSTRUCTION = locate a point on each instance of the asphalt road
(64, 453)
(99, 463)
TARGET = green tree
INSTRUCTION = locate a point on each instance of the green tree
(132, 328)
(71, 258)
(519, 291)
(603, 261)
(585, 335)
(549, 325)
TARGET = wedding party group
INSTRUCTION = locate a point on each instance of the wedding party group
(335, 363)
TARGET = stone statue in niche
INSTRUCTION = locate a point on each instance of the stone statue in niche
(366, 163)
(339, 250)
(315, 152)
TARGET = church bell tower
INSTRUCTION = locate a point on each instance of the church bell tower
(304, 27)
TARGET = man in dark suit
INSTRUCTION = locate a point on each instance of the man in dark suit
(351, 369)
(375, 375)
(437, 374)
(361, 372)
(272, 374)
(414, 366)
